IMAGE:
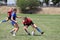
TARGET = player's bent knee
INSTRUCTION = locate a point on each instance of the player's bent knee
(35, 27)
(16, 26)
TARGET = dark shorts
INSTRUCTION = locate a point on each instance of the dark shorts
(31, 23)
(9, 17)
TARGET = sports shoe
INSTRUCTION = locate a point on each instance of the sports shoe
(11, 32)
(33, 33)
(42, 32)
(14, 34)
(29, 34)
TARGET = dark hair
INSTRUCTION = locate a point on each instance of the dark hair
(14, 9)
(25, 17)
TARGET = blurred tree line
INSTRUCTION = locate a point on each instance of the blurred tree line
(27, 4)
(54, 1)
(30, 4)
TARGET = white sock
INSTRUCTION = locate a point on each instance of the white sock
(14, 33)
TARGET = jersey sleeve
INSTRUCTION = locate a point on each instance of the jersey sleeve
(12, 14)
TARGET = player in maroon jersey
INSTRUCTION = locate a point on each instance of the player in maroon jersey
(27, 22)
(9, 15)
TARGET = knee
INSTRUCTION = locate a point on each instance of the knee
(35, 27)
(17, 27)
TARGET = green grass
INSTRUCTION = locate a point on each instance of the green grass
(50, 24)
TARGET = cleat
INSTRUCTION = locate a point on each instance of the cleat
(29, 34)
(14, 34)
(11, 32)
(42, 32)
(33, 33)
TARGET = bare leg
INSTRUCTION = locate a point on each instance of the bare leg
(16, 28)
(37, 28)
(5, 20)
(25, 28)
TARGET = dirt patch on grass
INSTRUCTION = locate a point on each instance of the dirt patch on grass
(50, 10)
(45, 10)
(4, 9)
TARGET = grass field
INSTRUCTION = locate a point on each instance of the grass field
(50, 24)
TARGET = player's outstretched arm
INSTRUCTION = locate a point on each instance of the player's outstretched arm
(19, 17)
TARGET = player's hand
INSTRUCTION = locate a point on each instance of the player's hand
(16, 21)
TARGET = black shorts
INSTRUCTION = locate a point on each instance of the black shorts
(31, 23)
(9, 18)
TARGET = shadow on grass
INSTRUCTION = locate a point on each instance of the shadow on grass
(29, 35)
